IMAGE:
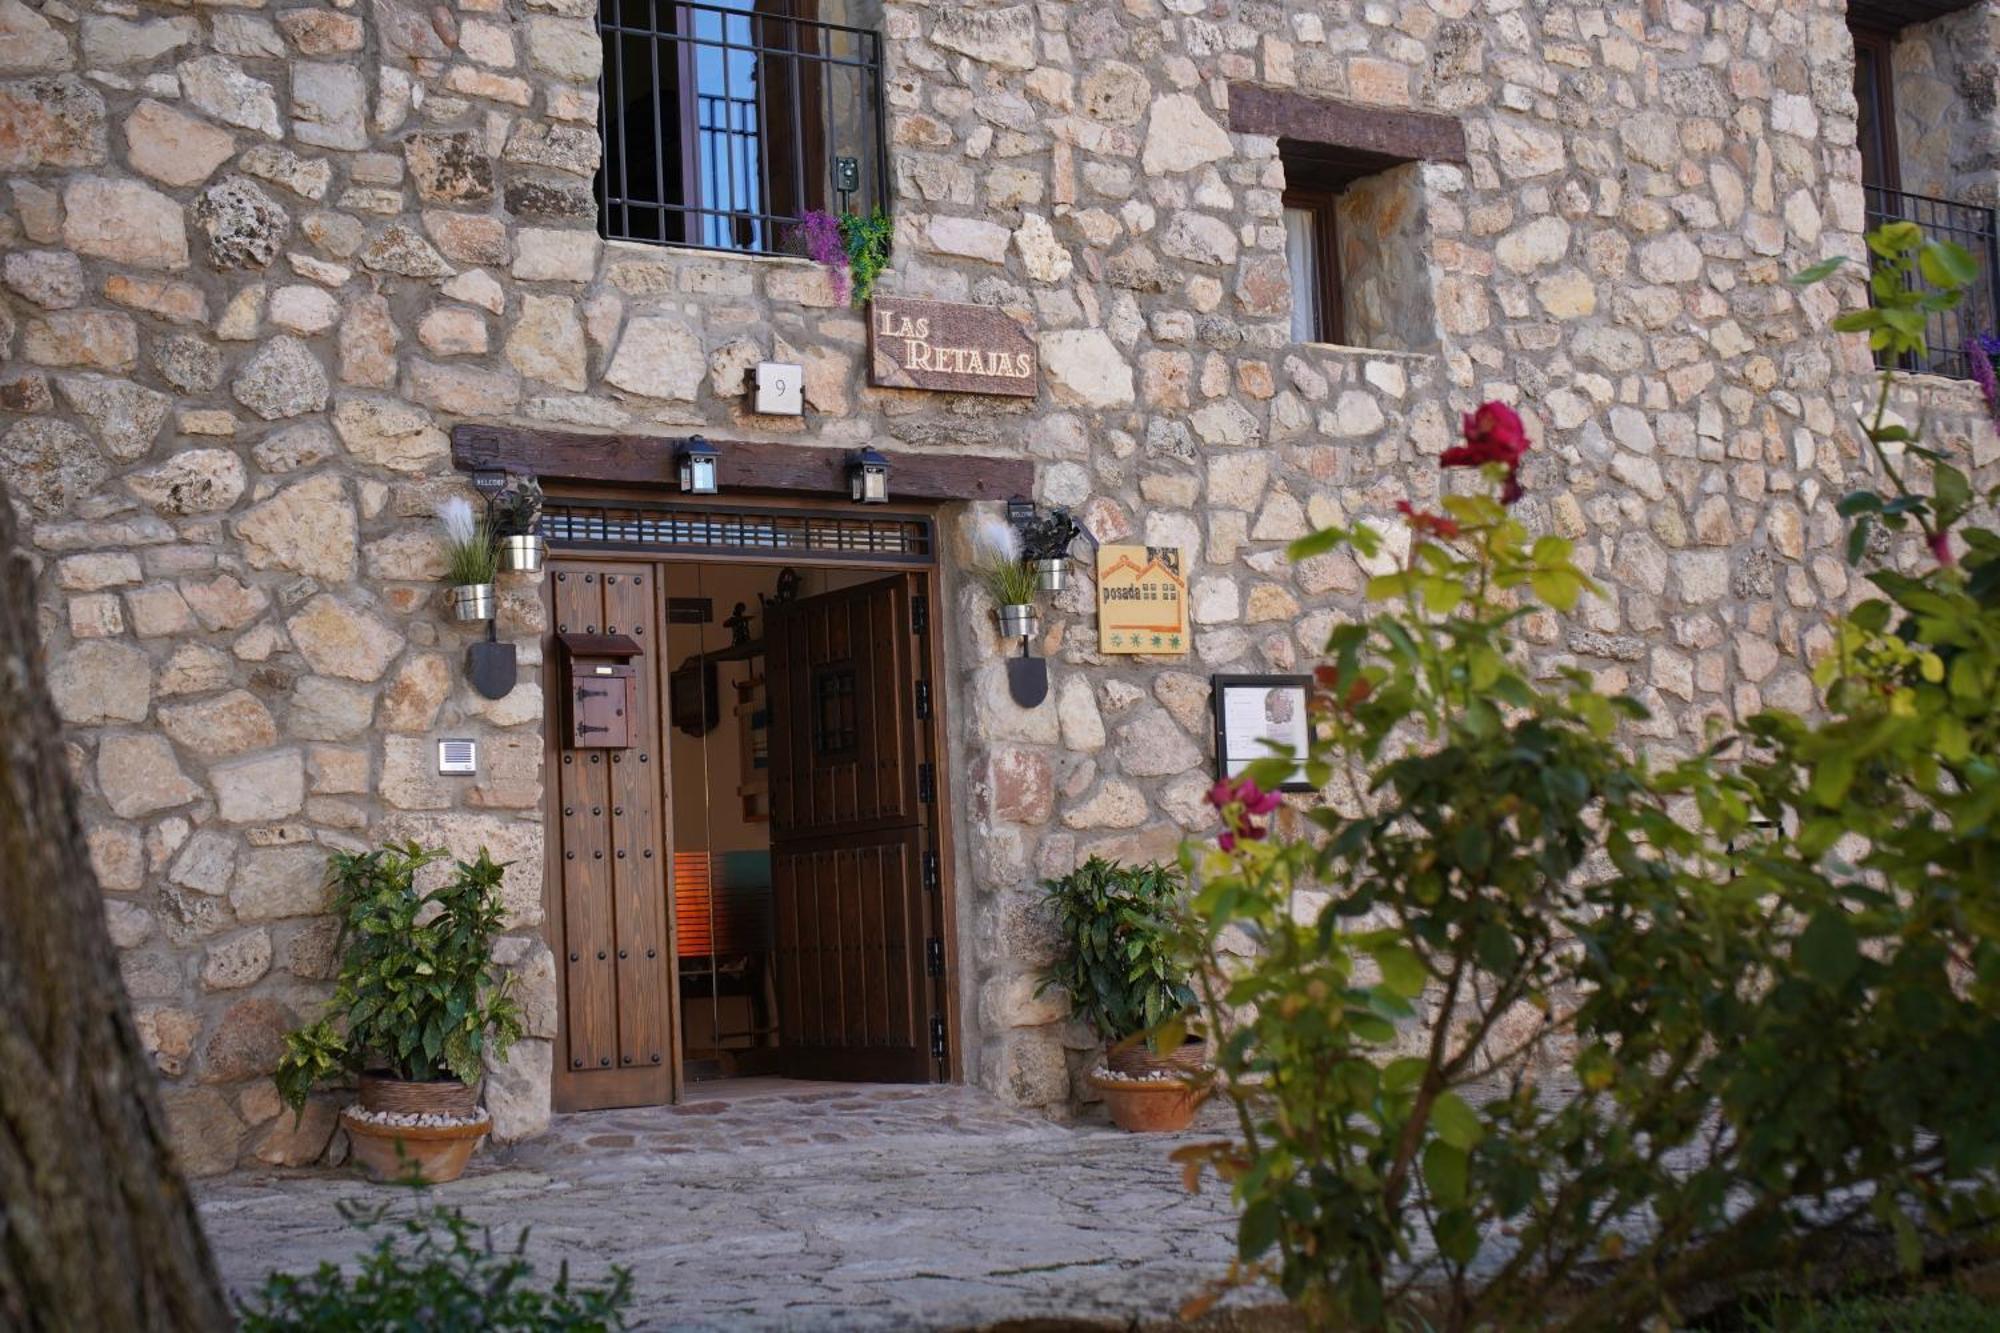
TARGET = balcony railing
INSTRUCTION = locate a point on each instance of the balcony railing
(1949, 333)
(726, 121)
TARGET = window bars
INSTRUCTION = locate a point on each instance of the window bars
(1948, 333)
(604, 525)
(726, 121)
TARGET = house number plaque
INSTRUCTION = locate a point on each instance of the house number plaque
(956, 348)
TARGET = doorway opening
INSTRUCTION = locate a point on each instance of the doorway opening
(785, 913)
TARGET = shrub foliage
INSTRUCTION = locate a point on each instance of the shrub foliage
(434, 1270)
(1539, 1029)
(418, 992)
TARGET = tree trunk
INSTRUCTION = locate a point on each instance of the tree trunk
(97, 1229)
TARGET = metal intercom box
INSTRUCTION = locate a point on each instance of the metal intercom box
(600, 690)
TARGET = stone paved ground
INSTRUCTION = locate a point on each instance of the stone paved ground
(779, 1207)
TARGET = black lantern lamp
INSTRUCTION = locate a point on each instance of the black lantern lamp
(697, 462)
(868, 477)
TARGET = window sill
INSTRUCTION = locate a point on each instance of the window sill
(1379, 353)
(614, 245)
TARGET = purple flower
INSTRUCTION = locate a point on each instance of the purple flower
(820, 231)
(1980, 354)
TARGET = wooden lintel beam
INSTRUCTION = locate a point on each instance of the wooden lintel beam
(1408, 136)
(745, 465)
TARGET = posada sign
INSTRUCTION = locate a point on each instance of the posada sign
(950, 347)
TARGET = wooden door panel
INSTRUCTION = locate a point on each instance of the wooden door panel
(616, 1038)
(638, 858)
(851, 924)
(849, 837)
(589, 918)
(859, 635)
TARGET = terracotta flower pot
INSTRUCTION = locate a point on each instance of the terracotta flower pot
(1149, 1106)
(432, 1154)
(413, 1154)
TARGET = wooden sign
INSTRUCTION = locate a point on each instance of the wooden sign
(1141, 600)
(956, 348)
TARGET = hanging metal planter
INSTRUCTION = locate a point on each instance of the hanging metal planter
(522, 553)
(472, 601)
(1019, 621)
(1051, 573)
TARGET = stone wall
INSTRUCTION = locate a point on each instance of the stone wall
(259, 261)
(1947, 90)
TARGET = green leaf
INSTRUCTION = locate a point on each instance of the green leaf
(1856, 321)
(1455, 1122)
(1558, 587)
(1833, 777)
(1857, 540)
(1819, 272)
(1258, 1230)
(1403, 1074)
(1858, 502)
(1445, 1171)
(1316, 543)
(1947, 264)
(1829, 949)
(1402, 971)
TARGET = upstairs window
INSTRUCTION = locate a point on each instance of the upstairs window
(1314, 262)
(1358, 253)
(726, 121)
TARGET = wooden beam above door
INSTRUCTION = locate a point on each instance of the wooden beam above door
(745, 465)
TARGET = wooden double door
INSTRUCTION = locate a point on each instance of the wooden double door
(860, 932)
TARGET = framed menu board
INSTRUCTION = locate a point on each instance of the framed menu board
(1253, 713)
(1141, 600)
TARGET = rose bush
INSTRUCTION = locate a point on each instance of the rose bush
(1534, 1029)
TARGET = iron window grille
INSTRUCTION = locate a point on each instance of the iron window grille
(604, 525)
(1948, 333)
(726, 121)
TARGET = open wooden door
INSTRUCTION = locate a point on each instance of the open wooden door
(607, 896)
(854, 869)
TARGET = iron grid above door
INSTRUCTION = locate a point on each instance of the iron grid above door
(613, 525)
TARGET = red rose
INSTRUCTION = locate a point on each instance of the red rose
(1493, 434)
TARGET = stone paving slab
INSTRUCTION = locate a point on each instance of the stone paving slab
(860, 1209)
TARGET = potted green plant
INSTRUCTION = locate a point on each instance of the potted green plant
(1123, 962)
(1046, 540)
(470, 561)
(417, 1005)
(515, 512)
(997, 564)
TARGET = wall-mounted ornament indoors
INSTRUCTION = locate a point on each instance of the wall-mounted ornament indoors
(951, 347)
(1141, 600)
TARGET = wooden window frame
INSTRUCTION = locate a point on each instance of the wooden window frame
(1881, 45)
(1331, 326)
(792, 44)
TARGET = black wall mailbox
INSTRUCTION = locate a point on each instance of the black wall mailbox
(600, 690)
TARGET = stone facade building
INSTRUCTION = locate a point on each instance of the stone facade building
(261, 261)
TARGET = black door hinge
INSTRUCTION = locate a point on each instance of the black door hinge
(926, 784)
(937, 1038)
(923, 701)
(920, 614)
(934, 957)
(933, 877)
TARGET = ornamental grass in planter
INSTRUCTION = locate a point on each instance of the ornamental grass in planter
(1125, 968)
(472, 561)
(1013, 585)
(417, 1005)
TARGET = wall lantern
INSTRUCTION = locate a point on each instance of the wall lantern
(697, 459)
(868, 477)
